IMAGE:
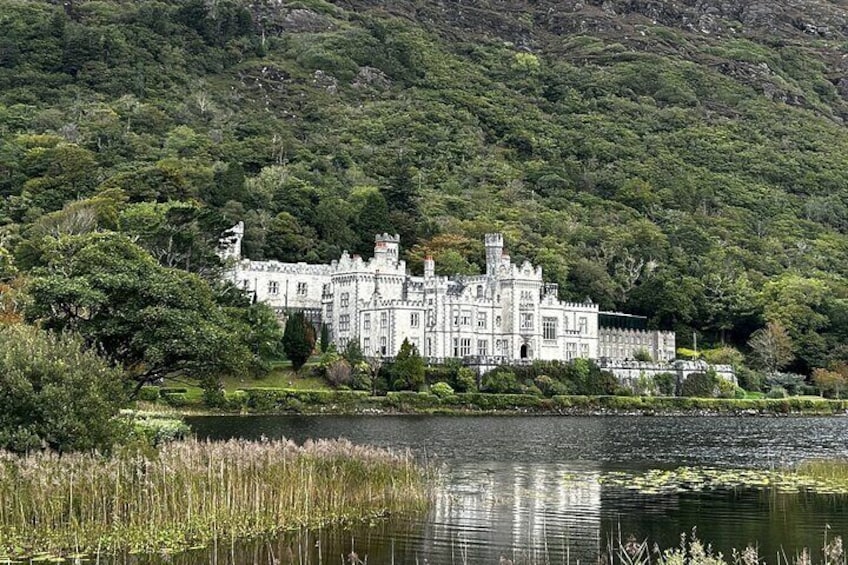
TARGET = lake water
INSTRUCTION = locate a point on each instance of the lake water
(526, 488)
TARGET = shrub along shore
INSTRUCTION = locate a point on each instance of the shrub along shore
(190, 493)
(296, 401)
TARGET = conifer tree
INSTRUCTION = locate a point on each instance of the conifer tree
(325, 338)
(298, 340)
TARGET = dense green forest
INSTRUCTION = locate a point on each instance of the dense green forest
(681, 160)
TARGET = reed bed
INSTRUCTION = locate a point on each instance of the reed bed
(825, 469)
(190, 493)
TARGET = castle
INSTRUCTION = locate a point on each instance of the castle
(507, 315)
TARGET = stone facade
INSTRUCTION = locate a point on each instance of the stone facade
(507, 315)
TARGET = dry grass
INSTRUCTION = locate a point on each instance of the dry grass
(189, 493)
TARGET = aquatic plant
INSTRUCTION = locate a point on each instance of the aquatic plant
(822, 477)
(189, 493)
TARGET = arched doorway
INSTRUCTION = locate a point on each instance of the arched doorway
(523, 351)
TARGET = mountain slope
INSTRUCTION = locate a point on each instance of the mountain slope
(679, 159)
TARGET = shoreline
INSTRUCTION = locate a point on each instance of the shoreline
(265, 401)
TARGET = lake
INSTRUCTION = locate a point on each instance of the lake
(527, 488)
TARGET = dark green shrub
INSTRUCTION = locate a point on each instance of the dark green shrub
(549, 387)
(501, 382)
(149, 393)
(701, 385)
(176, 399)
(165, 390)
(236, 400)
(666, 383)
(466, 380)
(749, 379)
(777, 392)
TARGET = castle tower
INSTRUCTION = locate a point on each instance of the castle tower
(229, 246)
(494, 250)
(387, 248)
(429, 267)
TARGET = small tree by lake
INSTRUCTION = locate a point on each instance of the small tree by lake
(408, 368)
(298, 340)
(56, 394)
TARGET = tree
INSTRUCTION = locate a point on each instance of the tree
(298, 339)
(325, 338)
(830, 382)
(154, 321)
(771, 347)
(55, 393)
(408, 368)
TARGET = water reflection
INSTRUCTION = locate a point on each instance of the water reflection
(527, 488)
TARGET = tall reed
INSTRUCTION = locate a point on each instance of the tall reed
(189, 493)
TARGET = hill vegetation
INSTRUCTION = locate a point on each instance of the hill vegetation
(682, 160)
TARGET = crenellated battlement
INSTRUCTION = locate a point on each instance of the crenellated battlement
(285, 268)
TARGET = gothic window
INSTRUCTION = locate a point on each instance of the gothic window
(344, 322)
(273, 287)
(414, 319)
(301, 289)
(480, 291)
(549, 328)
(384, 320)
(481, 320)
(526, 321)
(345, 299)
(366, 321)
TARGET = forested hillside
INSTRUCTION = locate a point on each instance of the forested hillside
(685, 160)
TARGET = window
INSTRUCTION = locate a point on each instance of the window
(498, 321)
(366, 321)
(565, 324)
(582, 325)
(526, 296)
(584, 350)
(415, 319)
(482, 320)
(480, 291)
(301, 289)
(383, 347)
(429, 347)
(345, 299)
(344, 322)
(465, 319)
(526, 321)
(455, 317)
(366, 345)
(461, 347)
(273, 287)
(384, 320)
(570, 350)
(549, 328)
(482, 347)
